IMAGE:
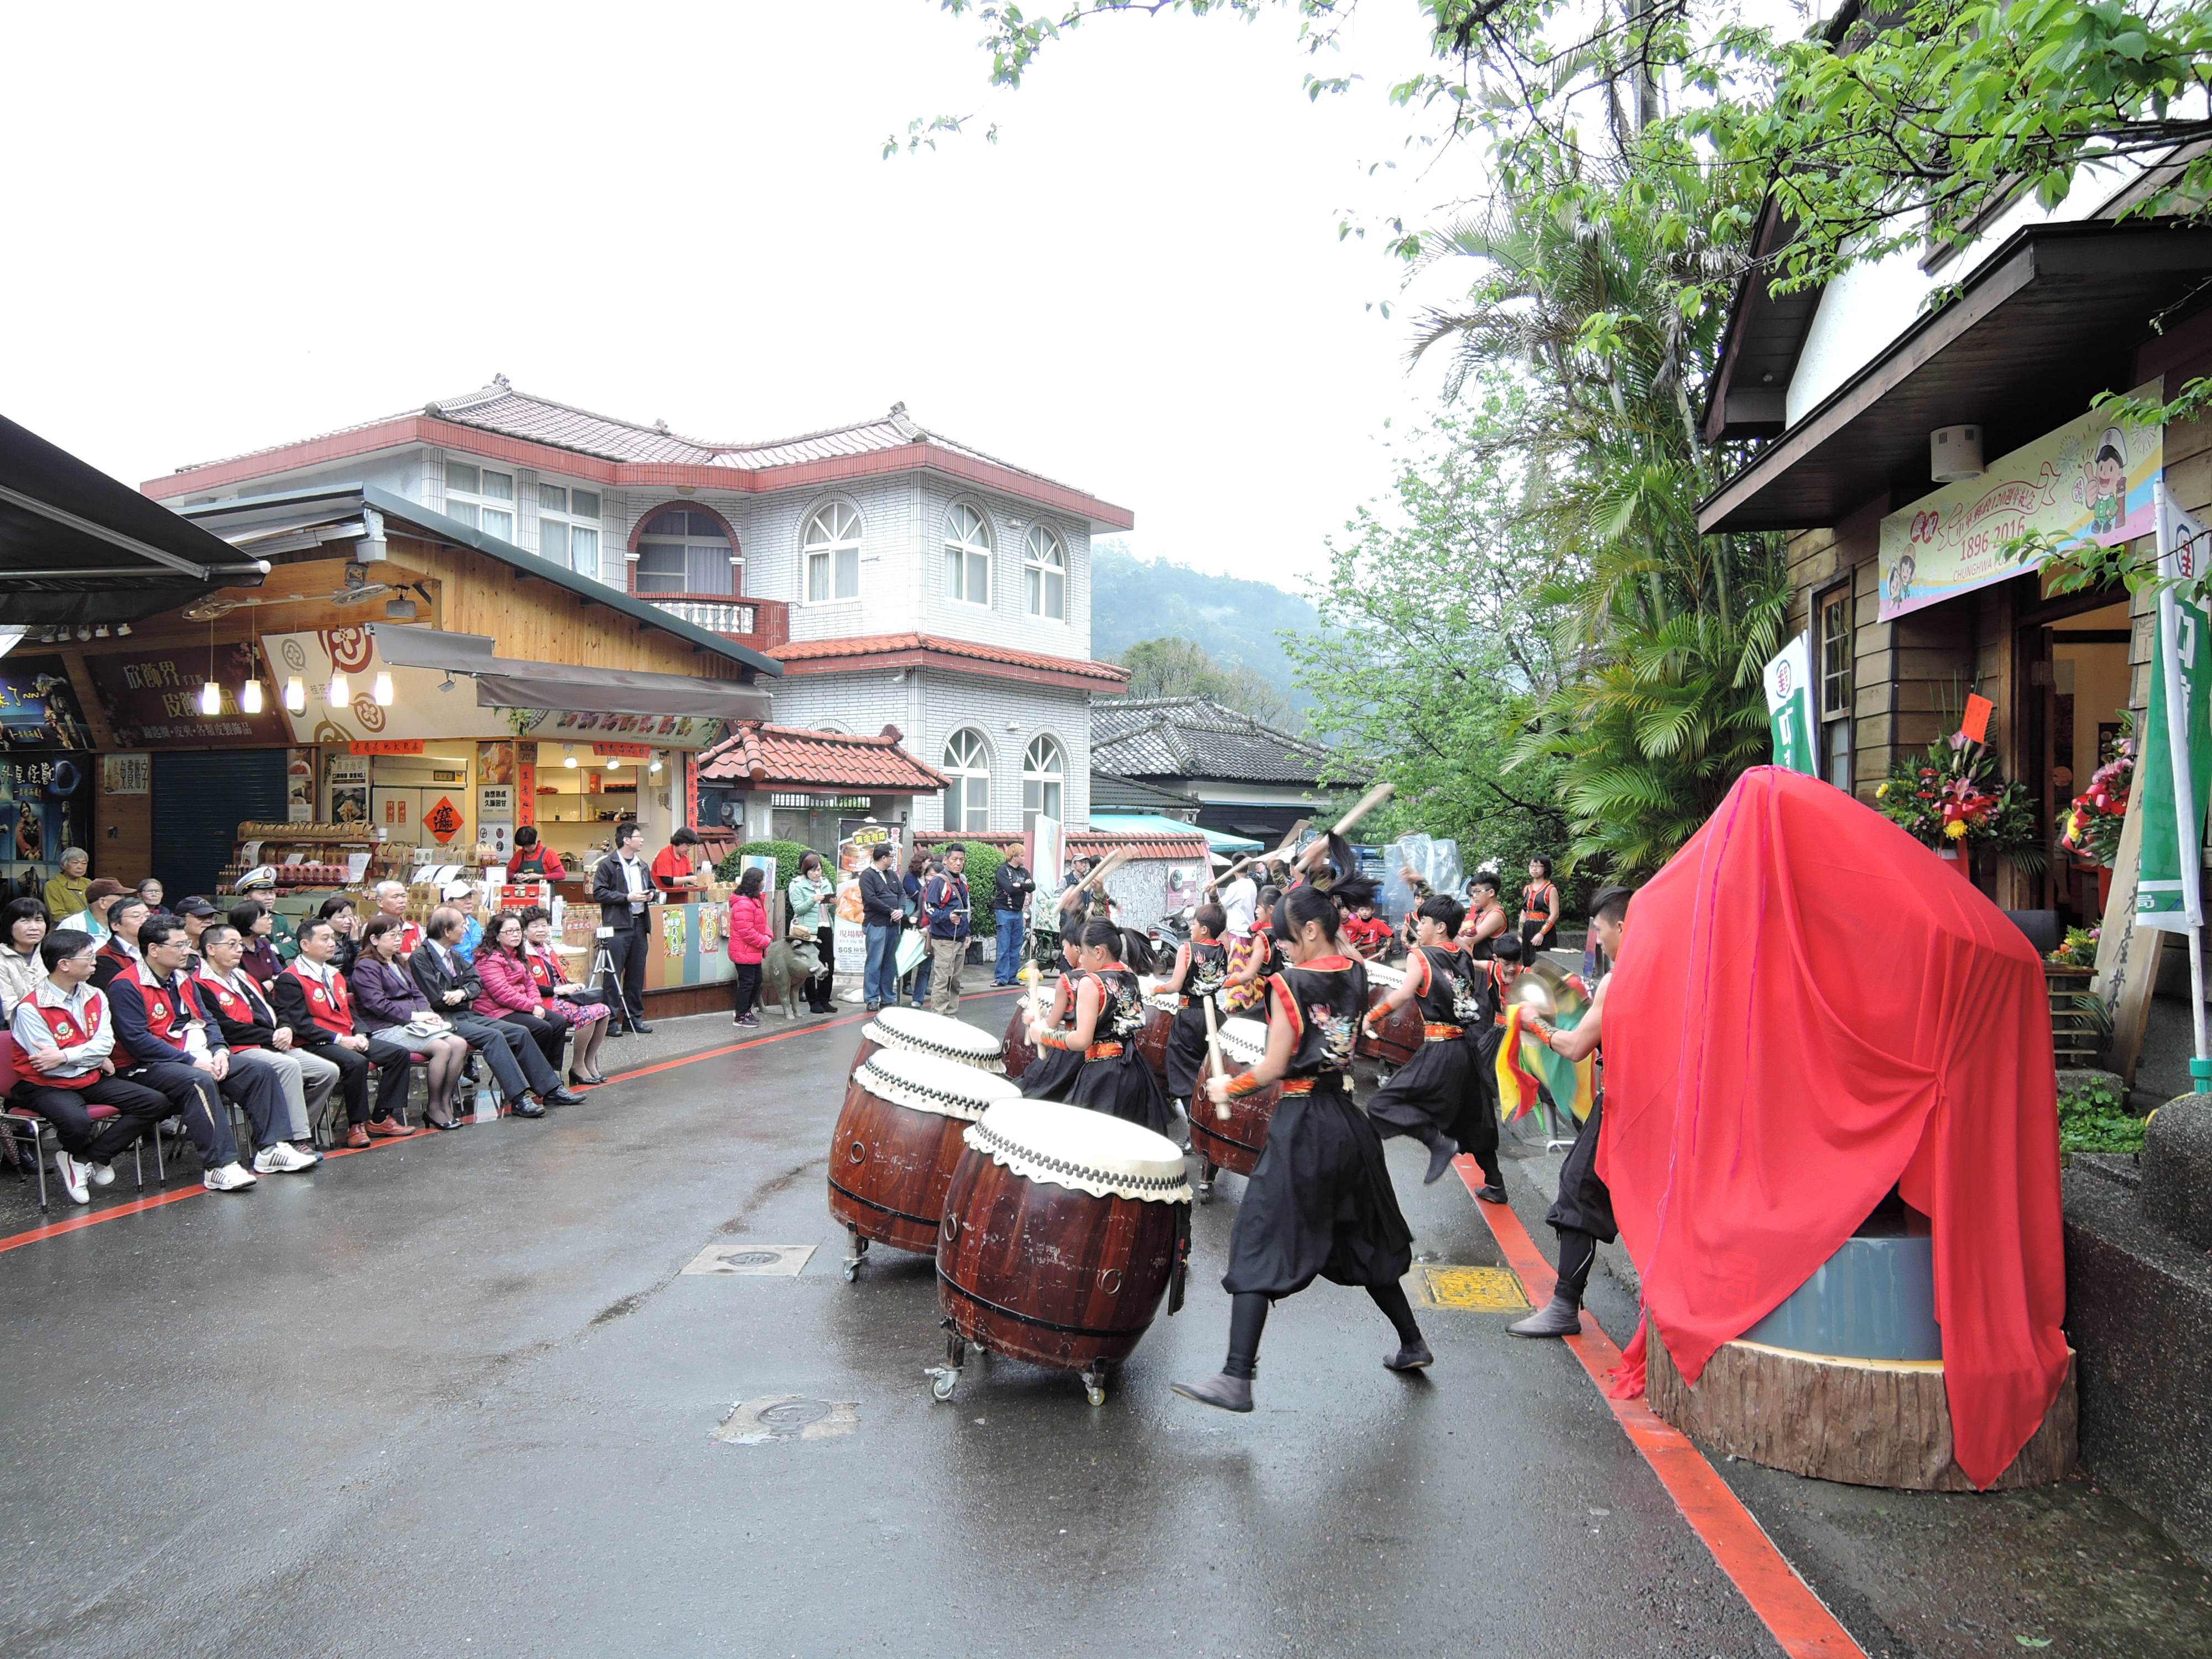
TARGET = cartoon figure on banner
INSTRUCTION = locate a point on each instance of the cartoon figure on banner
(1899, 580)
(2103, 485)
(672, 931)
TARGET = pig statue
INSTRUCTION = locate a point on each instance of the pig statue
(784, 969)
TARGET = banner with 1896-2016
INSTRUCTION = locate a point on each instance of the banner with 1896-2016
(1789, 707)
(2174, 773)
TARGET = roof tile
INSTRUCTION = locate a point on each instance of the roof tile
(1198, 737)
(871, 645)
(765, 757)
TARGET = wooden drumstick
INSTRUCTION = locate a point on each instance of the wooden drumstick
(1290, 845)
(1032, 975)
(1213, 1055)
(1366, 803)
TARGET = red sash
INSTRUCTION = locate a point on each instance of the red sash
(67, 1036)
(330, 1007)
(232, 1005)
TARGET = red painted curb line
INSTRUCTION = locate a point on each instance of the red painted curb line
(1785, 1602)
(134, 1207)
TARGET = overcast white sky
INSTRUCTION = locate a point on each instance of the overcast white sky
(237, 227)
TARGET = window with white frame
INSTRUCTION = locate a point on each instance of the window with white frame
(967, 557)
(1045, 567)
(831, 548)
(1044, 769)
(481, 498)
(968, 797)
(568, 527)
(682, 552)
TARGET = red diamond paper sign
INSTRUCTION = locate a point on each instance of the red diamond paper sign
(443, 820)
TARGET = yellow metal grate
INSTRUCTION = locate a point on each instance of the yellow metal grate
(1483, 1289)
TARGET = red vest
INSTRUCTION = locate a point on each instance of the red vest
(165, 1010)
(330, 1007)
(67, 1035)
(541, 972)
(247, 1009)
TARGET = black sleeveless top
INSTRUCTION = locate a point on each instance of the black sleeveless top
(1121, 1013)
(1323, 1001)
(1477, 950)
(1209, 969)
(1450, 997)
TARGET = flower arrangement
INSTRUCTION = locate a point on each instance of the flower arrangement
(2094, 817)
(2077, 950)
(1954, 796)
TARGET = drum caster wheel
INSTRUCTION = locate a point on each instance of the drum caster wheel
(1204, 1191)
(852, 1268)
(857, 1247)
(943, 1379)
(1094, 1386)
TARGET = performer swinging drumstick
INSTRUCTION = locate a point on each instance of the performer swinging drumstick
(1109, 1011)
(1201, 968)
(1319, 1203)
(1427, 1097)
(1052, 1073)
(1582, 1217)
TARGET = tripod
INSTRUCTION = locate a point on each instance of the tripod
(605, 976)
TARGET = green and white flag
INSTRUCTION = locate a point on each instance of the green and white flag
(1789, 707)
(2174, 771)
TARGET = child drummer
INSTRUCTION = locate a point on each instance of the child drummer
(1201, 968)
(1109, 1010)
(1433, 1097)
(1246, 989)
(1052, 1073)
(1319, 1203)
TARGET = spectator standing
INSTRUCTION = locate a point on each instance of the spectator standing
(67, 1037)
(22, 928)
(883, 907)
(1010, 898)
(64, 894)
(676, 866)
(623, 886)
(946, 908)
(255, 923)
(749, 939)
(917, 873)
(99, 898)
(1240, 901)
(532, 860)
(813, 915)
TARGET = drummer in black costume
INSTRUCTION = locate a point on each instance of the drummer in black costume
(1319, 1203)
(1435, 1097)
(1052, 1073)
(1201, 969)
(1109, 1011)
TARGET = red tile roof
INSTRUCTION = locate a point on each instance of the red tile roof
(765, 757)
(1084, 843)
(824, 656)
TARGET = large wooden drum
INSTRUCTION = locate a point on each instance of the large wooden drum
(1233, 1144)
(896, 1142)
(1400, 1037)
(910, 1031)
(1152, 1041)
(1062, 1228)
(1016, 1053)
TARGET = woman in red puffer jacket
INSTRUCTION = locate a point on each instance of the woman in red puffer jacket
(749, 938)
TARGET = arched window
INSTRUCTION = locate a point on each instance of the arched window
(1044, 768)
(832, 551)
(967, 798)
(1046, 568)
(967, 557)
(682, 552)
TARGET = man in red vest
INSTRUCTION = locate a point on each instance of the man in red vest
(312, 998)
(252, 1028)
(67, 1037)
(164, 1039)
(119, 954)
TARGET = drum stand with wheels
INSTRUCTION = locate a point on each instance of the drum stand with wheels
(1203, 1186)
(943, 1379)
(856, 1247)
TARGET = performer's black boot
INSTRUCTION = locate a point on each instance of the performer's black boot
(1442, 1151)
(1231, 1387)
(1413, 1353)
(1557, 1317)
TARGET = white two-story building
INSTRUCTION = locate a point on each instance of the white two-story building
(902, 578)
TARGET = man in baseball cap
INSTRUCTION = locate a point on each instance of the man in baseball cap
(98, 899)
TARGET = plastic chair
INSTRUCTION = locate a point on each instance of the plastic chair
(25, 1130)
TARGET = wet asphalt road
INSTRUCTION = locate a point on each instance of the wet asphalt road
(454, 1397)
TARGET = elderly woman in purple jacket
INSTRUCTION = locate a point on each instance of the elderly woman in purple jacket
(387, 1000)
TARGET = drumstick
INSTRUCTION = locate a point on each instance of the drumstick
(1030, 974)
(1290, 845)
(1213, 1055)
(1113, 861)
(1366, 803)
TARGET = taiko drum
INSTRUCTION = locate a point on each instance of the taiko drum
(898, 1141)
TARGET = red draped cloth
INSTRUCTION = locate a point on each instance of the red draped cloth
(1809, 1008)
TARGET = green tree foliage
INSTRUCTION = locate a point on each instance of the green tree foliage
(1176, 667)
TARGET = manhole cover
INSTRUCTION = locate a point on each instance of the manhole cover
(1480, 1289)
(741, 1260)
(785, 1416)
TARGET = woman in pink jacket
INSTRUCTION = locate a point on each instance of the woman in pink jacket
(510, 990)
(748, 938)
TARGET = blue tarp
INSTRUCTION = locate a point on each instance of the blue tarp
(1151, 824)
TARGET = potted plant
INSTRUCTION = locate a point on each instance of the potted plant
(2091, 827)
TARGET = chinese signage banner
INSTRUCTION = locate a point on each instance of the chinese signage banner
(43, 808)
(1790, 708)
(2174, 774)
(154, 699)
(38, 708)
(2091, 480)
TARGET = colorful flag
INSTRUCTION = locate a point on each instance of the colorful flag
(1525, 1061)
(2174, 772)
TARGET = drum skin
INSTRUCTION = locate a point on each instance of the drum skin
(1152, 1041)
(1233, 1145)
(1015, 1050)
(1400, 1039)
(889, 1167)
(1047, 1274)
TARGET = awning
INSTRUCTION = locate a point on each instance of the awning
(77, 547)
(512, 682)
(2052, 317)
(1149, 823)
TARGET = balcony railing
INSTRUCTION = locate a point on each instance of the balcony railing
(760, 624)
